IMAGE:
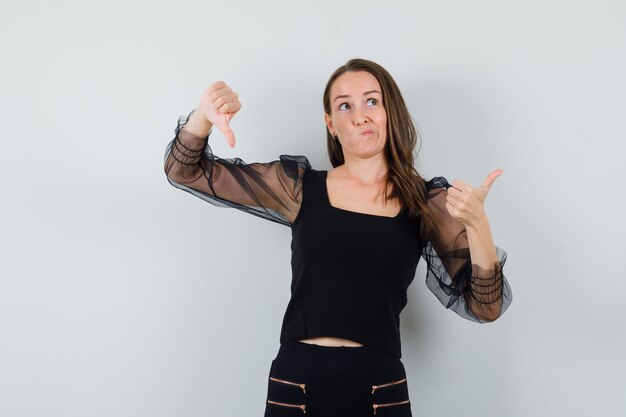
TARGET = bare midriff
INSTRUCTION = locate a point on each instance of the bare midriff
(331, 341)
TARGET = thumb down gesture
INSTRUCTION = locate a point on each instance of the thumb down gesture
(466, 203)
(219, 104)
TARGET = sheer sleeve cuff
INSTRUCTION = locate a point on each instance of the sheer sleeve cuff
(186, 151)
(188, 148)
(474, 293)
(486, 284)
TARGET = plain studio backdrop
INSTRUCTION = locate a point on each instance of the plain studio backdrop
(123, 296)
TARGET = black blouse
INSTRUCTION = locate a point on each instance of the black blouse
(351, 270)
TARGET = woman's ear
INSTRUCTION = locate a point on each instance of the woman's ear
(329, 124)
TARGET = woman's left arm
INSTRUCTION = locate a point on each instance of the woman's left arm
(466, 204)
(464, 267)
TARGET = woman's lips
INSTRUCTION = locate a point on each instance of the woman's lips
(367, 132)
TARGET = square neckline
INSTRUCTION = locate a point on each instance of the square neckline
(326, 196)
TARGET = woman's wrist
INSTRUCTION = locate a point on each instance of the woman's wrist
(198, 125)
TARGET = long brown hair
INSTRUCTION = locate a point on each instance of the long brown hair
(407, 185)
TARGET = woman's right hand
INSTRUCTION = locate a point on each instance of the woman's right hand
(219, 104)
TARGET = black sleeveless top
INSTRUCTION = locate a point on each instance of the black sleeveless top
(350, 270)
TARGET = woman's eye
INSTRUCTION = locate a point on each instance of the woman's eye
(342, 106)
(373, 101)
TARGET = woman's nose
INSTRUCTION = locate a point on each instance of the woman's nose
(359, 118)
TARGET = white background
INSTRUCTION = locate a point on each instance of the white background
(123, 296)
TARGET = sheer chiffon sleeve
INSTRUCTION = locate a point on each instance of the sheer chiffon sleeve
(468, 289)
(270, 190)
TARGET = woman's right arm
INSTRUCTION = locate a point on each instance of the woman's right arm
(270, 190)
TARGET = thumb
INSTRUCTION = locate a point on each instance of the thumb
(228, 132)
(230, 136)
(491, 178)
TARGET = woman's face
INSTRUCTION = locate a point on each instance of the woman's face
(358, 117)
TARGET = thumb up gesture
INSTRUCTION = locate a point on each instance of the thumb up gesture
(465, 203)
(219, 104)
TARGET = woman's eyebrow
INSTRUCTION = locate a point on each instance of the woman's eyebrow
(348, 95)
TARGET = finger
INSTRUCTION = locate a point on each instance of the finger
(220, 101)
(491, 178)
(212, 89)
(216, 86)
(452, 201)
(230, 108)
(454, 192)
(460, 185)
(451, 210)
(222, 92)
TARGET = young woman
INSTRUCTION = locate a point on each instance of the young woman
(358, 232)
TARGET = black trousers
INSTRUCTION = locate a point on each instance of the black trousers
(342, 381)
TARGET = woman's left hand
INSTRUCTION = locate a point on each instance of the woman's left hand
(465, 203)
